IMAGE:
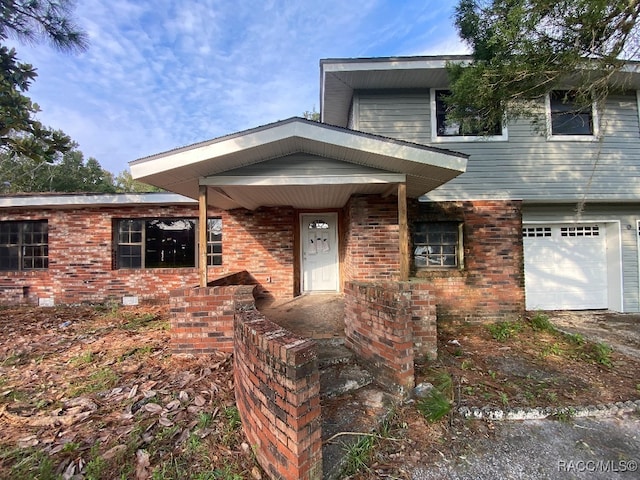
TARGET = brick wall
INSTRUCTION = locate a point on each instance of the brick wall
(379, 329)
(262, 242)
(491, 284)
(81, 254)
(202, 318)
(423, 317)
(371, 248)
(277, 387)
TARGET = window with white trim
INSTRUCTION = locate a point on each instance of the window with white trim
(164, 242)
(437, 245)
(443, 128)
(24, 245)
(567, 118)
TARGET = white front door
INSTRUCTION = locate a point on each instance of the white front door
(319, 238)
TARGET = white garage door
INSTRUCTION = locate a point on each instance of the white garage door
(565, 267)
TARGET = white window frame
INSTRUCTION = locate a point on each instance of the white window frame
(459, 138)
(571, 138)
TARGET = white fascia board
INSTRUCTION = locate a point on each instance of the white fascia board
(125, 199)
(385, 147)
(294, 128)
(303, 180)
(209, 150)
(400, 63)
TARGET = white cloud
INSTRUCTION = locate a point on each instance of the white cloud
(165, 73)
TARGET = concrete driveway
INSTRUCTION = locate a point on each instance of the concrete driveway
(582, 448)
(618, 330)
(585, 448)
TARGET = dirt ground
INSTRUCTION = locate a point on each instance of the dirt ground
(535, 367)
(93, 392)
(530, 364)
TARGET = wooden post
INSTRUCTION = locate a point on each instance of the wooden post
(403, 232)
(202, 236)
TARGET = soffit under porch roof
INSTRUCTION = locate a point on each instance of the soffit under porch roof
(298, 163)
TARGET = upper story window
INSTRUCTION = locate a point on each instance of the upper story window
(437, 245)
(164, 242)
(443, 129)
(24, 245)
(567, 119)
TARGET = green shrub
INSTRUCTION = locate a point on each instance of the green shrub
(434, 406)
(541, 322)
(602, 354)
(502, 331)
(358, 455)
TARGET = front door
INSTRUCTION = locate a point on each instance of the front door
(319, 238)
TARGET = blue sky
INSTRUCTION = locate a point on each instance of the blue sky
(166, 73)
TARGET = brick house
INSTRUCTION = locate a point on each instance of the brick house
(383, 189)
(368, 202)
(301, 206)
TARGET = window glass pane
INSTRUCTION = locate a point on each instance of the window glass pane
(129, 248)
(34, 257)
(129, 256)
(214, 241)
(8, 258)
(35, 233)
(450, 238)
(567, 118)
(469, 126)
(9, 233)
(214, 248)
(130, 231)
(437, 246)
(23, 245)
(170, 243)
(449, 260)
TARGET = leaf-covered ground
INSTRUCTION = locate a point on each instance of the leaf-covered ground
(94, 393)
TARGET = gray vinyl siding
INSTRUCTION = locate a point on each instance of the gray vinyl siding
(400, 114)
(301, 164)
(528, 166)
(628, 215)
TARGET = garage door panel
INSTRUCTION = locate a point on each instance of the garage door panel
(566, 267)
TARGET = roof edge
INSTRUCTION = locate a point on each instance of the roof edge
(92, 199)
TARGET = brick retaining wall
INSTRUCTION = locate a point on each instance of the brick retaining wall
(202, 318)
(277, 387)
(378, 329)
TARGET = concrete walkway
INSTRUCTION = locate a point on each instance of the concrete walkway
(317, 316)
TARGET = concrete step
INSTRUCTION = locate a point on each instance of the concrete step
(359, 411)
(333, 352)
(342, 378)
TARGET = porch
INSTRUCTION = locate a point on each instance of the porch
(316, 316)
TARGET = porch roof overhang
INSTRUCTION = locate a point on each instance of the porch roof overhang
(341, 77)
(227, 167)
